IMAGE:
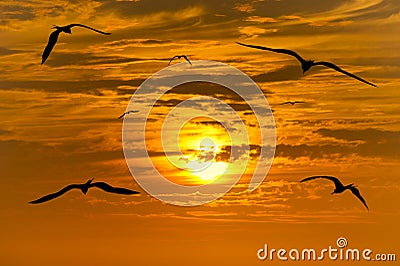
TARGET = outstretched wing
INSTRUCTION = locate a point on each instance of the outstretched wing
(290, 102)
(50, 45)
(55, 195)
(184, 56)
(118, 190)
(356, 192)
(172, 59)
(335, 67)
(132, 111)
(332, 178)
(280, 51)
(90, 28)
(128, 112)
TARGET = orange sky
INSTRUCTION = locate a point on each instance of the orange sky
(59, 125)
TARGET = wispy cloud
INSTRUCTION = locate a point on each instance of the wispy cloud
(260, 19)
(254, 32)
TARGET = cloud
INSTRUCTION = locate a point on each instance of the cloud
(291, 17)
(4, 132)
(226, 151)
(16, 12)
(60, 59)
(14, 153)
(17, 15)
(324, 23)
(374, 142)
(260, 19)
(285, 73)
(362, 142)
(5, 51)
(210, 214)
(81, 86)
(124, 43)
(313, 152)
(253, 32)
(153, 13)
(245, 7)
(210, 123)
(206, 89)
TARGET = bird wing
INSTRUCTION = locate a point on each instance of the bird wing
(184, 56)
(106, 187)
(335, 67)
(56, 194)
(332, 178)
(172, 59)
(285, 103)
(280, 51)
(87, 27)
(356, 192)
(132, 111)
(128, 112)
(50, 45)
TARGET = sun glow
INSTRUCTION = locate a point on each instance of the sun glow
(212, 170)
(203, 164)
(200, 150)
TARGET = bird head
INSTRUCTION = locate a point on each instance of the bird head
(307, 65)
(86, 186)
(63, 29)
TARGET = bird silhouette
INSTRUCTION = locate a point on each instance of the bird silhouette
(291, 102)
(127, 112)
(339, 187)
(84, 188)
(179, 57)
(54, 37)
(307, 64)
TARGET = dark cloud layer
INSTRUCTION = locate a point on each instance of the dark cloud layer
(374, 142)
(89, 86)
(60, 59)
(365, 142)
(285, 73)
(5, 51)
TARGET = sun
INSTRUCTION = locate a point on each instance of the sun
(203, 163)
(213, 170)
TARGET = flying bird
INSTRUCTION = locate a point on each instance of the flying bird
(179, 57)
(307, 64)
(54, 37)
(84, 188)
(127, 112)
(291, 102)
(339, 187)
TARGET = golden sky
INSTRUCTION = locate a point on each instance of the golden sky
(59, 125)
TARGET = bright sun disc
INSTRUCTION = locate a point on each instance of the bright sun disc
(203, 164)
(213, 170)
